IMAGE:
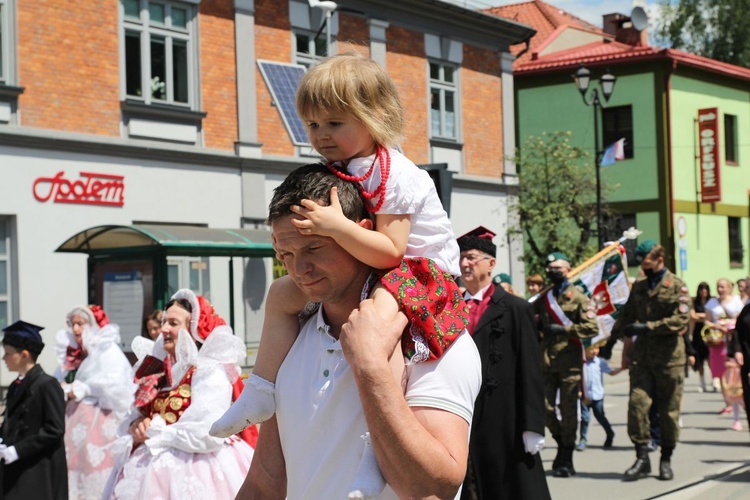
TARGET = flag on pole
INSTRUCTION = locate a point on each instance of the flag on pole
(613, 152)
(605, 281)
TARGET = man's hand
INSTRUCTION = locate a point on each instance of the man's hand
(554, 329)
(327, 221)
(367, 335)
(605, 351)
(532, 442)
(138, 429)
(8, 454)
(739, 358)
(636, 329)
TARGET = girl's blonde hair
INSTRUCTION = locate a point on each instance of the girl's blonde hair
(353, 85)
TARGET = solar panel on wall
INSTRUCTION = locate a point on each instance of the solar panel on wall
(282, 80)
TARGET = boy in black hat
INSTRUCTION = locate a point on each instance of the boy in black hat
(32, 451)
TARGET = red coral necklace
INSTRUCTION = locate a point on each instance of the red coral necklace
(383, 158)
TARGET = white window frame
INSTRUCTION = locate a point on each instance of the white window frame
(442, 87)
(185, 267)
(145, 30)
(7, 42)
(7, 258)
(4, 56)
(310, 57)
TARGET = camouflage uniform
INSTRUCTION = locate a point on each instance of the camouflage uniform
(563, 359)
(658, 356)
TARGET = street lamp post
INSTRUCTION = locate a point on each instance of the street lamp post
(582, 78)
(327, 7)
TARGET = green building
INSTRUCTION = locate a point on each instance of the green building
(684, 179)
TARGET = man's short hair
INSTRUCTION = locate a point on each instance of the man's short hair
(314, 182)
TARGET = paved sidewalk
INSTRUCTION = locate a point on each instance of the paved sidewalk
(710, 459)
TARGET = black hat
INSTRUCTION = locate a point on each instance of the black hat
(479, 238)
(23, 335)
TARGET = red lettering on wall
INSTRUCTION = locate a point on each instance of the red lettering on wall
(708, 140)
(89, 189)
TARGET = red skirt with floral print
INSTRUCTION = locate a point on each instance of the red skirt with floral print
(432, 301)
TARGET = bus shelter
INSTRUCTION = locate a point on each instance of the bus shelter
(128, 265)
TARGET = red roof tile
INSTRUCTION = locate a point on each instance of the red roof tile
(546, 19)
(612, 53)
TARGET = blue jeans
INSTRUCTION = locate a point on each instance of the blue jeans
(598, 408)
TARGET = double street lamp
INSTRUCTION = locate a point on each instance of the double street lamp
(607, 81)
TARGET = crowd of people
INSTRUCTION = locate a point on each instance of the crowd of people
(394, 362)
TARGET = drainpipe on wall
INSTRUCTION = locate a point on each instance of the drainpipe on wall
(670, 173)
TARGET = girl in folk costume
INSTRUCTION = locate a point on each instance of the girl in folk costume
(721, 314)
(354, 119)
(97, 381)
(181, 391)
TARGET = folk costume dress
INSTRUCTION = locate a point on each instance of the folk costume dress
(716, 311)
(423, 284)
(100, 377)
(183, 398)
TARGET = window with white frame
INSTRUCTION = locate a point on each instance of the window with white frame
(3, 42)
(443, 100)
(5, 273)
(309, 49)
(159, 45)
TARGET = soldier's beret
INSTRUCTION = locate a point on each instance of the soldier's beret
(502, 278)
(557, 256)
(644, 249)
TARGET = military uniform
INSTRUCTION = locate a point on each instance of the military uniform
(563, 359)
(660, 309)
(658, 356)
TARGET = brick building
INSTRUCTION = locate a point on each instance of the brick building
(154, 112)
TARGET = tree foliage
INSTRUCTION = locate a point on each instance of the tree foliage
(556, 200)
(719, 29)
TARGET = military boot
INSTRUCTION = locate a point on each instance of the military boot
(566, 468)
(641, 467)
(665, 466)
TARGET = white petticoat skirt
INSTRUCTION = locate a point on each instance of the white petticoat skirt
(175, 474)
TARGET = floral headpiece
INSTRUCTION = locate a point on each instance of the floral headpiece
(94, 315)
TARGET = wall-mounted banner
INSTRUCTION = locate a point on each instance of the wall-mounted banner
(89, 189)
(708, 139)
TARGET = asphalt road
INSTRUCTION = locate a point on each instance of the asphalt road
(710, 461)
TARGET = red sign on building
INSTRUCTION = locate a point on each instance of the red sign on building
(708, 139)
(88, 189)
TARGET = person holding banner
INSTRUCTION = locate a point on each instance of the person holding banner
(566, 317)
(657, 311)
(507, 430)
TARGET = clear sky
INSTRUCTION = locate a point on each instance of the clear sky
(589, 10)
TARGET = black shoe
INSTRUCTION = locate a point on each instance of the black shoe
(562, 471)
(641, 468)
(665, 470)
(566, 469)
(608, 441)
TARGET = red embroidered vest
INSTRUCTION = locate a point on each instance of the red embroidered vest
(171, 404)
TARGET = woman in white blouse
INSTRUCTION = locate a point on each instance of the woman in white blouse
(721, 313)
(181, 391)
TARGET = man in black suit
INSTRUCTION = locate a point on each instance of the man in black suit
(507, 431)
(32, 452)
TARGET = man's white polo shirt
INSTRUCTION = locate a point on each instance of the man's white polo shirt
(320, 416)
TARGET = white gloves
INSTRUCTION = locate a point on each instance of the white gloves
(8, 454)
(533, 442)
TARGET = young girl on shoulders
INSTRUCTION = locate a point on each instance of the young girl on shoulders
(355, 119)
